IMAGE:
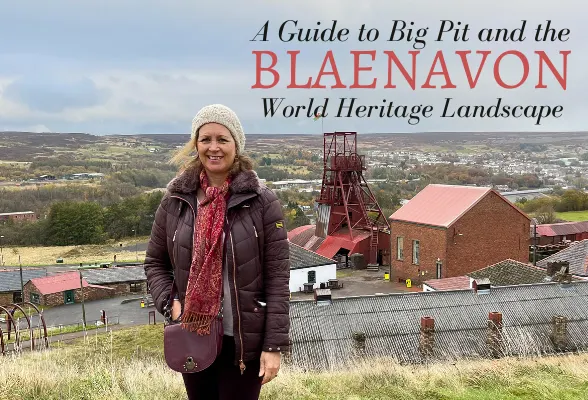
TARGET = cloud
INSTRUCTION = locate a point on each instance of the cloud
(54, 94)
(148, 66)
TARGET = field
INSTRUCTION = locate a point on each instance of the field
(128, 364)
(573, 215)
(87, 254)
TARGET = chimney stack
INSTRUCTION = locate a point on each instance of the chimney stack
(427, 337)
(551, 269)
(563, 272)
(359, 343)
(494, 339)
(481, 286)
(559, 333)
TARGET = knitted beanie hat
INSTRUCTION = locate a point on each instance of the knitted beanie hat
(223, 115)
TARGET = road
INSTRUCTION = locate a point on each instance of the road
(129, 313)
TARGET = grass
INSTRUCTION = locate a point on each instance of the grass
(128, 364)
(573, 215)
(86, 254)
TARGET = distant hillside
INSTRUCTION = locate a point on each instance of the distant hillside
(127, 364)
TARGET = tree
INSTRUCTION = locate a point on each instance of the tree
(546, 215)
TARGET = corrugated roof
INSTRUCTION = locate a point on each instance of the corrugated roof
(58, 283)
(322, 336)
(442, 205)
(562, 228)
(576, 254)
(10, 279)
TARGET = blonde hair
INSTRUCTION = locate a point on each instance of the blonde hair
(187, 158)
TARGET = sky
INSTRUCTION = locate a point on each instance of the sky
(148, 66)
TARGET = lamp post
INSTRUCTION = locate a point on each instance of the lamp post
(136, 249)
(1, 255)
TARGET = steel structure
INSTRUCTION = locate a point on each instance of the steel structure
(13, 326)
(346, 200)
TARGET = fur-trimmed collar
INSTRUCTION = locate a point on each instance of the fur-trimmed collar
(188, 182)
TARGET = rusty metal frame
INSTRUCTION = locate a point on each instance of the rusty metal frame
(16, 330)
(10, 314)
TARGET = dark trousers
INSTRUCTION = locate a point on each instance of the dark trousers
(223, 379)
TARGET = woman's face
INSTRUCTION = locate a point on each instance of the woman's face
(216, 148)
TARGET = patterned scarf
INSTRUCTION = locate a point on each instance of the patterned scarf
(203, 295)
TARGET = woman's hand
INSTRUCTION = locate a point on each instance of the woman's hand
(176, 310)
(270, 365)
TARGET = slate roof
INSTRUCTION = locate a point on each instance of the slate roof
(576, 254)
(511, 272)
(10, 279)
(322, 335)
(302, 258)
(101, 276)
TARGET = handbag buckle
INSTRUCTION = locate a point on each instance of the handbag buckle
(189, 365)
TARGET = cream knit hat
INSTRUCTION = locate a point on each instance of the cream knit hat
(221, 115)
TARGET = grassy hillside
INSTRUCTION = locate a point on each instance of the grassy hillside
(573, 215)
(86, 254)
(128, 364)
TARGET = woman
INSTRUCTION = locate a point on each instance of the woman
(220, 233)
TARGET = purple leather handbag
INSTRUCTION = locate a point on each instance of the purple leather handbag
(186, 351)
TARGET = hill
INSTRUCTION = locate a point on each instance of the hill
(128, 364)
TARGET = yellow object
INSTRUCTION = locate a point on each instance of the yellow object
(386, 277)
(408, 283)
(142, 304)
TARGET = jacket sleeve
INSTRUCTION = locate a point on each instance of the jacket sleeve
(158, 268)
(276, 269)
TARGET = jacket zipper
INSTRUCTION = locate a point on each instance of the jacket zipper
(174, 248)
(241, 363)
(255, 230)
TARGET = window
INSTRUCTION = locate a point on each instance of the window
(135, 287)
(415, 252)
(35, 298)
(439, 265)
(311, 276)
(400, 248)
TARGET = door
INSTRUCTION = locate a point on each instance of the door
(68, 296)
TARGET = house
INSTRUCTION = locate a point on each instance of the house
(309, 267)
(63, 288)
(576, 255)
(10, 284)
(18, 216)
(519, 321)
(448, 230)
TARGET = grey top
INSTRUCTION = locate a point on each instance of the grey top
(227, 306)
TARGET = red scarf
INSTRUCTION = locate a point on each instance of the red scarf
(203, 295)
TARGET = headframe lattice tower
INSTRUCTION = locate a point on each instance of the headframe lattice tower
(346, 199)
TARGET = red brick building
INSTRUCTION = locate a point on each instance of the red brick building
(21, 216)
(63, 288)
(449, 230)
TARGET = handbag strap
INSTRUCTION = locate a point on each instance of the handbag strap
(168, 307)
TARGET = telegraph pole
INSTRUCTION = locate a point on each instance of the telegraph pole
(82, 293)
(21, 281)
(534, 243)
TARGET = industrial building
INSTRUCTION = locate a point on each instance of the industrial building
(349, 219)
